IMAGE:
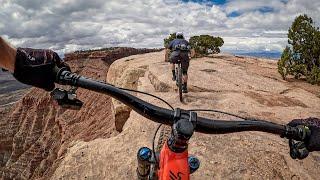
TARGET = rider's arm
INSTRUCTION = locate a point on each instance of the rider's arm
(7, 55)
(30, 66)
(36, 67)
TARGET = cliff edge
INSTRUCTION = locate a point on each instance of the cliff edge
(35, 133)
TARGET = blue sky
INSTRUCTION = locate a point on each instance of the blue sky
(245, 25)
(216, 2)
(222, 3)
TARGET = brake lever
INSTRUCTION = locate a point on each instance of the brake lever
(66, 99)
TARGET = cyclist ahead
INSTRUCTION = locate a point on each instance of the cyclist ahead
(35, 67)
(180, 52)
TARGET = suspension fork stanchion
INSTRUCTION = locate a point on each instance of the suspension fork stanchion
(144, 157)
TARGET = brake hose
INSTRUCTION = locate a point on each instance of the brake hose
(156, 132)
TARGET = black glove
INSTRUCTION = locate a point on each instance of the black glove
(310, 144)
(36, 67)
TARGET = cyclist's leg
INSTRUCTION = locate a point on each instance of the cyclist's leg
(184, 80)
(173, 61)
(173, 67)
(185, 67)
(185, 76)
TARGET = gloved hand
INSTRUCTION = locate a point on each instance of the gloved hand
(310, 144)
(35, 67)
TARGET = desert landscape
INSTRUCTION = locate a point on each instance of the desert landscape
(42, 141)
(35, 133)
(255, 60)
(11, 90)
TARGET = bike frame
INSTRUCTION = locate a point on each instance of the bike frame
(172, 165)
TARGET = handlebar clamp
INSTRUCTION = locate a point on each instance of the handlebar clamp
(63, 76)
(185, 114)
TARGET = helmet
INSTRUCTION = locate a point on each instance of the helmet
(179, 35)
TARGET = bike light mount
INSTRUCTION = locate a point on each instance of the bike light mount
(185, 114)
(66, 99)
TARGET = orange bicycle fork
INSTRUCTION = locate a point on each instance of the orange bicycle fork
(173, 161)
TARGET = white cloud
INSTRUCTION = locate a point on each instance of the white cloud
(68, 25)
(253, 44)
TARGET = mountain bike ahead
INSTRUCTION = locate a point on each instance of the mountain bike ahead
(179, 79)
(173, 160)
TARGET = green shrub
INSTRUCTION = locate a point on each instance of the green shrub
(283, 63)
(314, 76)
(302, 56)
(206, 44)
(298, 70)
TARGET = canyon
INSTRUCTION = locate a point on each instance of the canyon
(39, 140)
(35, 132)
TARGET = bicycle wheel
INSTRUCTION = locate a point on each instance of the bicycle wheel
(179, 82)
(165, 132)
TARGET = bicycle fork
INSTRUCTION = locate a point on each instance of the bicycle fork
(173, 161)
(146, 159)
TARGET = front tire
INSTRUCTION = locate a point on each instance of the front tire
(165, 132)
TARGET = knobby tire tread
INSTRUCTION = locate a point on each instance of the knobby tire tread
(165, 132)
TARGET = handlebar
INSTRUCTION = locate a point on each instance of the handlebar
(168, 117)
